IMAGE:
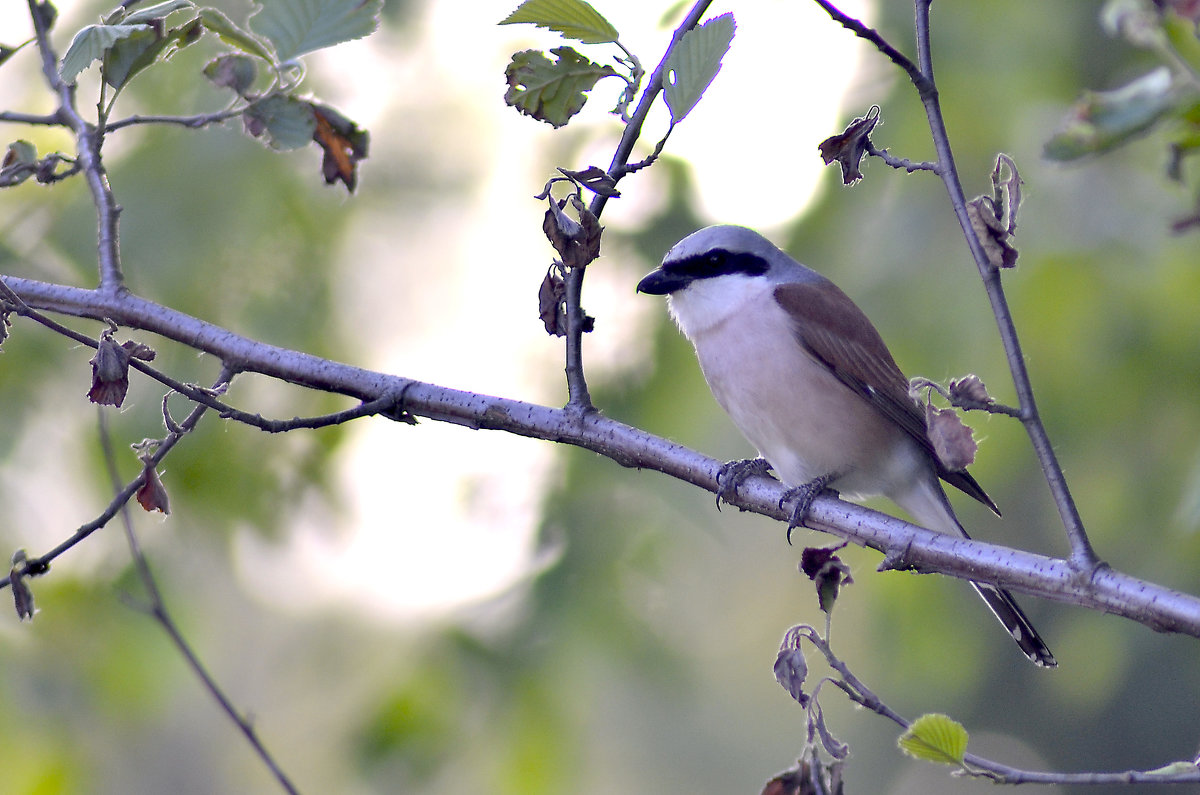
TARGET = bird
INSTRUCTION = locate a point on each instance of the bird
(810, 383)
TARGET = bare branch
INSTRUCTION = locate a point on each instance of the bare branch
(580, 399)
(194, 122)
(88, 140)
(51, 120)
(860, 694)
(900, 162)
(881, 44)
(157, 609)
(1082, 554)
(1096, 587)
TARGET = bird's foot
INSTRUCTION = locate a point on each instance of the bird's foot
(733, 473)
(804, 496)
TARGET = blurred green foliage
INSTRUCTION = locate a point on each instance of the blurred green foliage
(639, 659)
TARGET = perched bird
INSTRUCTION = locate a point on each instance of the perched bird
(809, 382)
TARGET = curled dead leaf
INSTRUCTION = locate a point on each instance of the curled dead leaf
(850, 146)
(953, 441)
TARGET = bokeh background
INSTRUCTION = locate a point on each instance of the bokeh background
(436, 610)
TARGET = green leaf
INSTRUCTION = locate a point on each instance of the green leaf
(19, 164)
(574, 19)
(935, 738)
(1103, 120)
(551, 92)
(160, 11)
(299, 26)
(7, 52)
(235, 36)
(234, 71)
(1181, 34)
(693, 64)
(286, 122)
(91, 44)
(133, 54)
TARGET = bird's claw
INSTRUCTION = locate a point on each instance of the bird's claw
(733, 473)
(804, 496)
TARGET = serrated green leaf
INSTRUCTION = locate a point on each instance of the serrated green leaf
(133, 54)
(935, 738)
(1103, 120)
(90, 44)
(299, 26)
(574, 19)
(235, 36)
(286, 122)
(551, 92)
(125, 57)
(693, 64)
(160, 11)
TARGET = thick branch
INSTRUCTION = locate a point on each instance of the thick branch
(1104, 589)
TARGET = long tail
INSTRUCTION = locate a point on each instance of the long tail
(1010, 614)
(931, 508)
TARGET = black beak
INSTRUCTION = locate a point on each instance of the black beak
(659, 282)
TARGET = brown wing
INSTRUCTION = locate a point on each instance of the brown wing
(837, 333)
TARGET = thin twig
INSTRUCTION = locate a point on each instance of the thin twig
(1082, 553)
(966, 404)
(1000, 773)
(1083, 556)
(900, 162)
(200, 120)
(871, 35)
(157, 609)
(50, 120)
(41, 564)
(385, 404)
(88, 140)
(580, 400)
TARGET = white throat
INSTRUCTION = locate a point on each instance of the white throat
(707, 303)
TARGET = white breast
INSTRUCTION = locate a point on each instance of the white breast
(787, 404)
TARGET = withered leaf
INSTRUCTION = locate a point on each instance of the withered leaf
(594, 179)
(343, 144)
(952, 440)
(152, 495)
(551, 295)
(970, 389)
(110, 372)
(592, 231)
(993, 234)
(577, 242)
(828, 571)
(791, 668)
(137, 350)
(22, 595)
(850, 146)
